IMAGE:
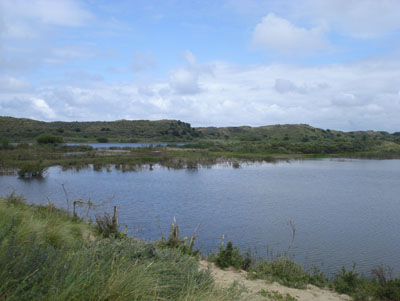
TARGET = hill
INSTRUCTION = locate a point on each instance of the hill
(127, 130)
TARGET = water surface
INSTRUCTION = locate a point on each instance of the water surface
(343, 210)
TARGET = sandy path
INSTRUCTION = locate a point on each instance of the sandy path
(225, 278)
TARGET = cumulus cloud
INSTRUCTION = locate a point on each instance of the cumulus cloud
(347, 97)
(40, 106)
(359, 18)
(279, 35)
(184, 81)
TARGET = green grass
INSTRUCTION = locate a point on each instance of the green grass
(285, 271)
(47, 255)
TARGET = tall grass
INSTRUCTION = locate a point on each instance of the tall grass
(45, 255)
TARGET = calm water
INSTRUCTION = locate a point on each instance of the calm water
(116, 144)
(343, 210)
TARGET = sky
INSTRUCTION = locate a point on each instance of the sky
(330, 64)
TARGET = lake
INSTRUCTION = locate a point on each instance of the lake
(343, 211)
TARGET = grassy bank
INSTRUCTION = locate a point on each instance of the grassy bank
(32, 160)
(47, 255)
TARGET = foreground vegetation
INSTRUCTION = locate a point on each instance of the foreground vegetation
(379, 286)
(45, 253)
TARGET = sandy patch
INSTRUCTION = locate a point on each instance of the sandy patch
(225, 278)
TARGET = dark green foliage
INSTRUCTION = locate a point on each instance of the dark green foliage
(287, 272)
(126, 130)
(346, 281)
(102, 140)
(389, 291)
(231, 256)
(49, 139)
(5, 143)
(31, 170)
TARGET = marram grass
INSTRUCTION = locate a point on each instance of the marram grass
(47, 255)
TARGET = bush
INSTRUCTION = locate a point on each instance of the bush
(287, 272)
(31, 170)
(102, 140)
(5, 143)
(389, 291)
(107, 226)
(230, 256)
(49, 139)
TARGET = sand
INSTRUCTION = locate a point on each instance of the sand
(225, 278)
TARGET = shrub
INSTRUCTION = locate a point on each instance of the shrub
(49, 139)
(5, 143)
(107, 226)
(346, 281)
(230, 256)
(31, 170)
(287, 272)
(389, 291)
(102, 140)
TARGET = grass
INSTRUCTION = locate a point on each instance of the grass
(45, 254)
(285, 271)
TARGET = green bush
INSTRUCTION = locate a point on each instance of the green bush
(102, 140)
(49, 139)
(5, 143)
(287, 272)
(231, 256)
(31, 170)
(389, 291)
(346, 281)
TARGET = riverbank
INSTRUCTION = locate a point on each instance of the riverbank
(46, 252)
(32, 159)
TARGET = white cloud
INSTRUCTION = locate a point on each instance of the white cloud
(184, 81)
(359, 18)
(42, 108)
(8, 83)
(279, 35)
(49, 12)
(348, 97)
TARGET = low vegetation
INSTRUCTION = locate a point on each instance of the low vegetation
(238, 142)
(285, 271)
(46, 254)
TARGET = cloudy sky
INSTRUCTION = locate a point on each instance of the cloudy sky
(331, 64)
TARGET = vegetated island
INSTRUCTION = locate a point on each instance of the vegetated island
(47, 253)
(30, 146)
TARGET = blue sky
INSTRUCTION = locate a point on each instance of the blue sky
(331, 64)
